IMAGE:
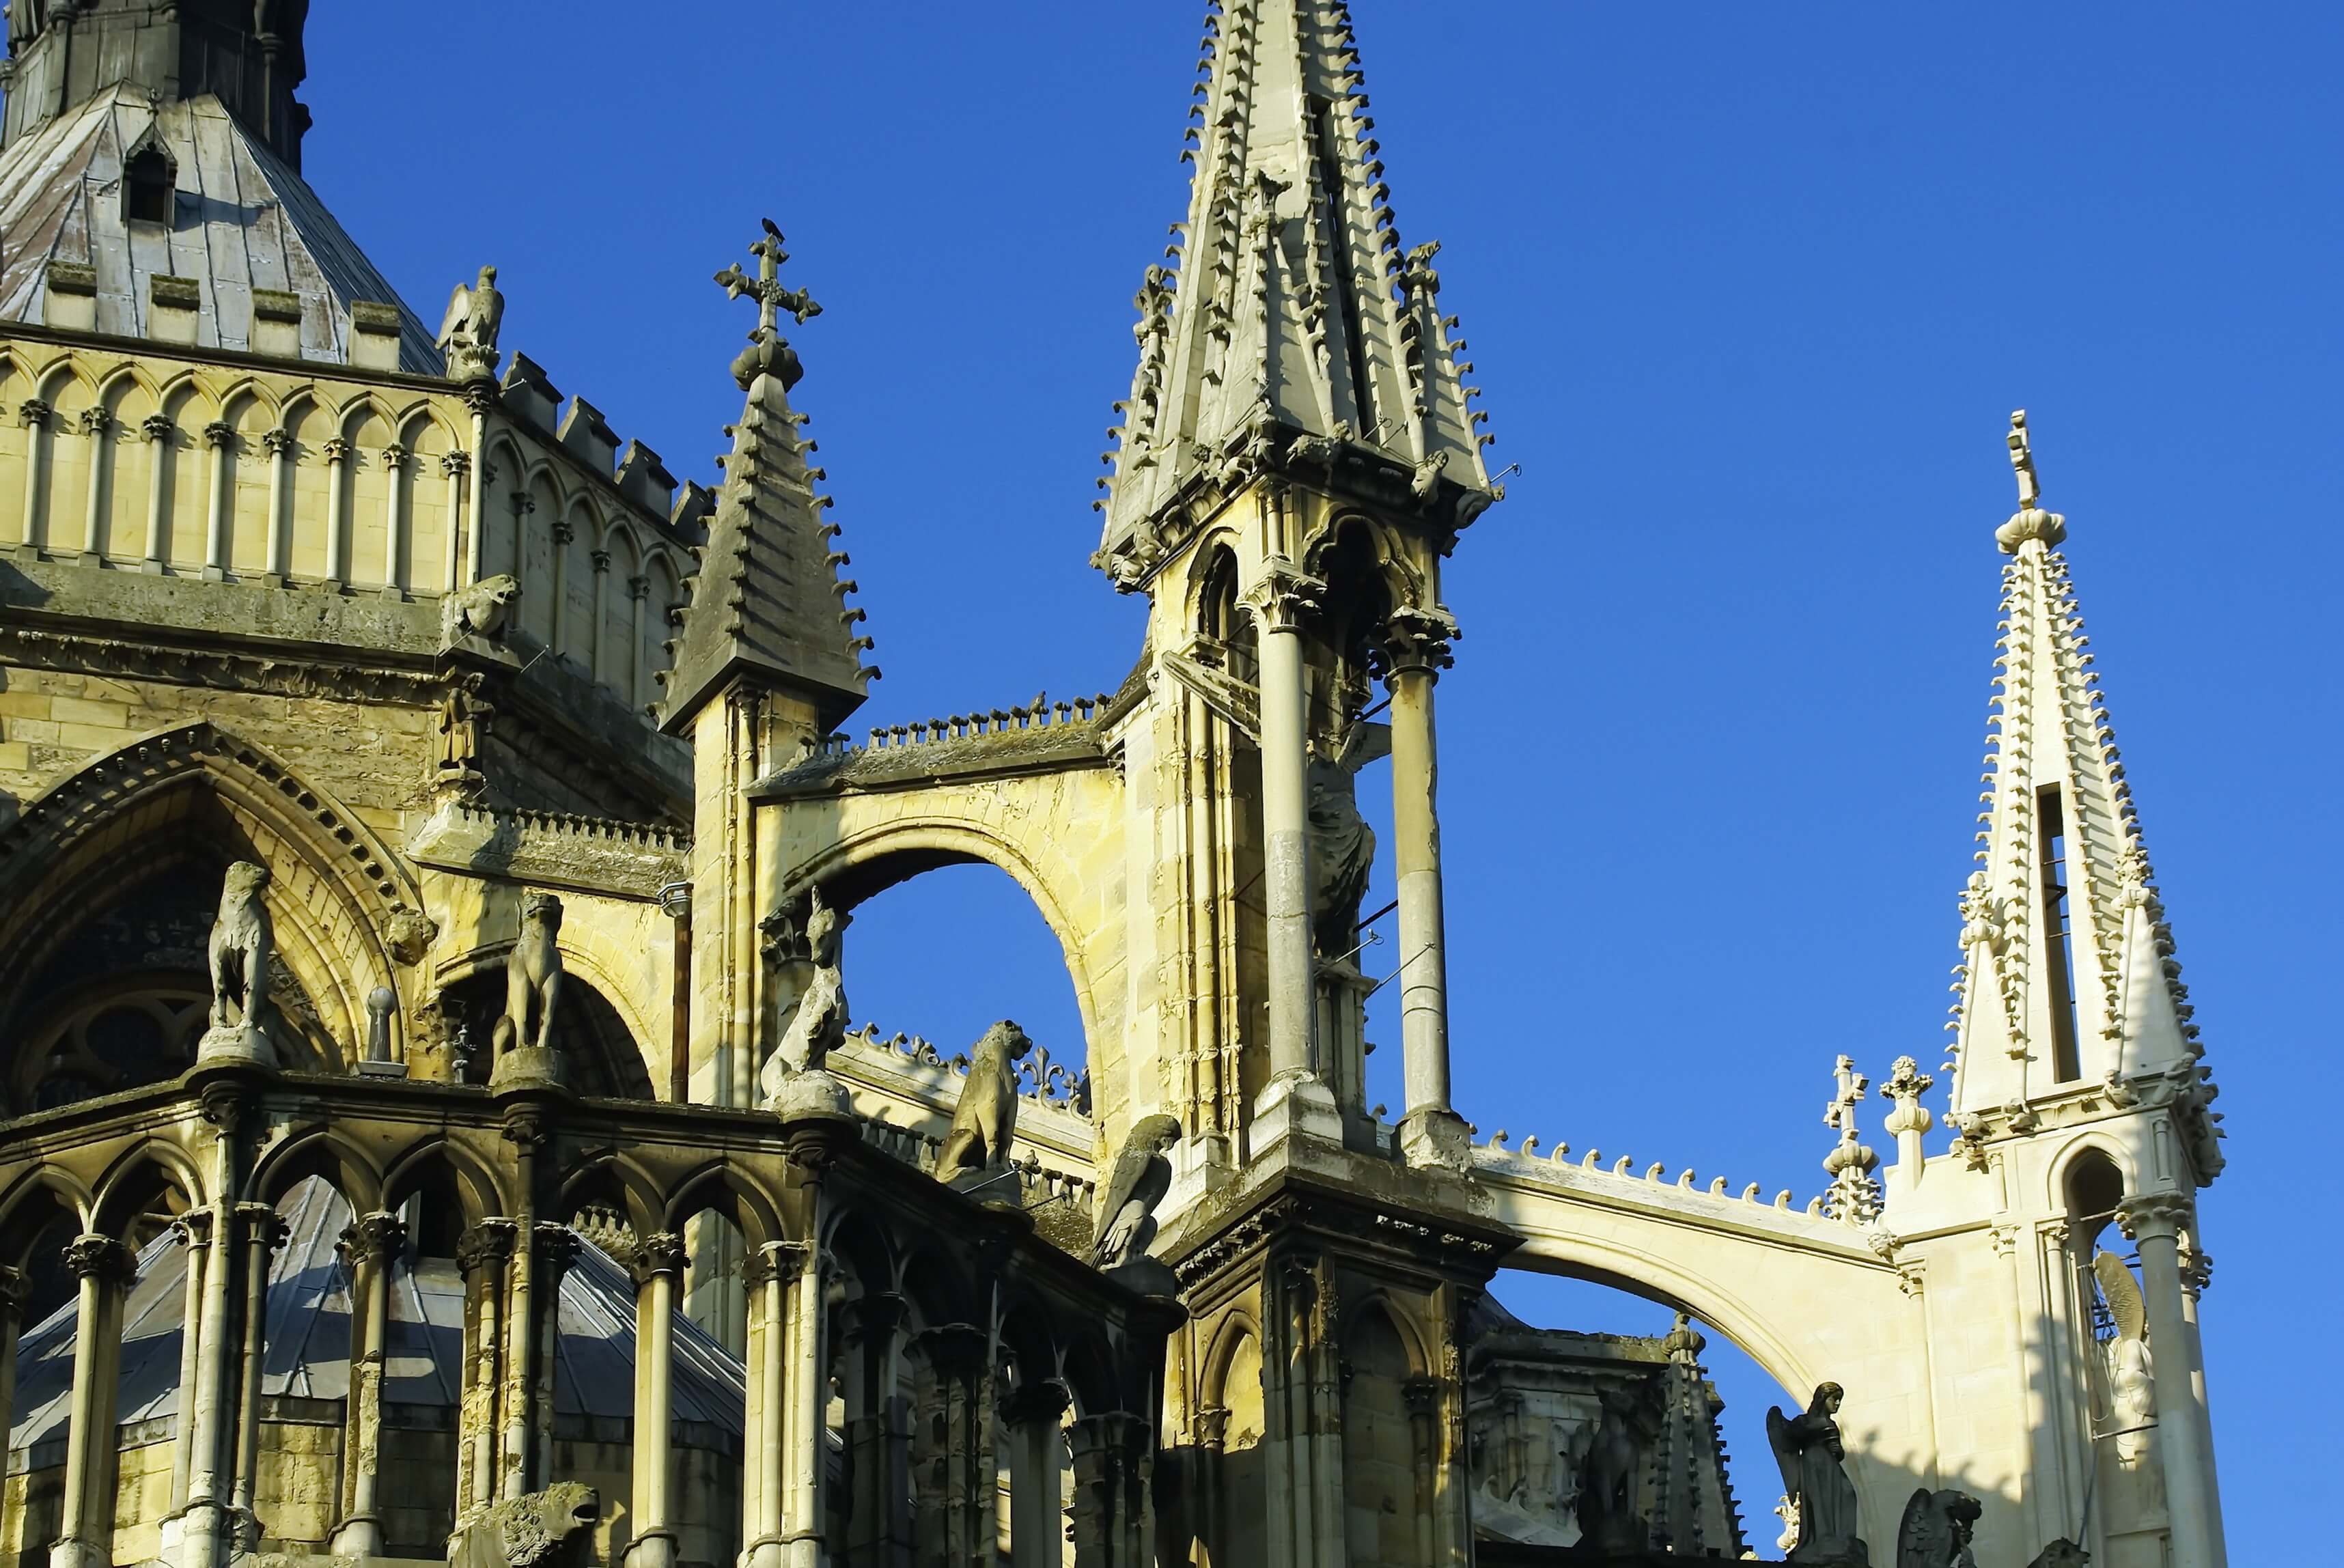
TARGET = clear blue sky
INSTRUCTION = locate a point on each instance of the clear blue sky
(1753, 291)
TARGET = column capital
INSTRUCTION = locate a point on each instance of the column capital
(261, 1222)
(1212, 1426)
(194, 1229)
(955, 1349)
(661, 1253)
(336, 449)
(95, 421)
(2154, 1215)
(102, 1258)
(601, 558)
(34, 412)
(488, 1242)
(872, 1316)
(1282, 595)
(638, 587)
(1044, 1402)
(454, 464)
(372, 1238)
(563, 530)
(1415, 638)
(395, 456)
(220, 433)
(557, 1247)
(159, 427)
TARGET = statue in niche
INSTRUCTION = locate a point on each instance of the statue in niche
(1608, 1518)
(1815, 1473)
(468, 333)
(2132, 1377)
(985, 1118)
(1936, 1532)
(1342, 844)
(819, 1025)
(532, 979)
(239, 957)
(463, 727)
(1143, 1174)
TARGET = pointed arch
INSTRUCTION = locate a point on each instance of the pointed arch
(475, 1180)
(126, 814)
(131, 1182)
(322, 1152)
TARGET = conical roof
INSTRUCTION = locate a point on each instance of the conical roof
(307, 1337)
(1294, 301)
(241, 220)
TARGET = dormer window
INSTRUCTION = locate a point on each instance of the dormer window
(150, 183)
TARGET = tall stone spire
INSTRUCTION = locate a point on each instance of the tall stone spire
(2069, 986)
(768, 600)
(1294, 313)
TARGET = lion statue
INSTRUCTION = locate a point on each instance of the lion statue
(549, 1529)
(242, 949)
(986, 1120)
(532, 978)
(478, 610)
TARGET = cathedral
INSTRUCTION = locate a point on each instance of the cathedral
(433, 1121)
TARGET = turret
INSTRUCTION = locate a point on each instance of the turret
(247, 54)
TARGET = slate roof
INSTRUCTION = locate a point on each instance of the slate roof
(244, 220)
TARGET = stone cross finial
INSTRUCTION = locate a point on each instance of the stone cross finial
(766, 287)
(1853, 1196)
(2022, 459)
(1840, 1114)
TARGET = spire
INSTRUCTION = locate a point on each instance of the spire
(2068, 987)
(768, 600)
(1294, 313)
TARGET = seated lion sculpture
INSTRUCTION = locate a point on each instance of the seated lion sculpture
(985, 1118)
(549, 1529)
(242, 947)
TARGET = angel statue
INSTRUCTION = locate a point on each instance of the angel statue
(1815, 1474)
(1936, 1533)
(468, 335)
(1342, 844)
(2132, 1377)
(1142, 1177)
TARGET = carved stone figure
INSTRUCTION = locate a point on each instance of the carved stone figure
(986, 1120)
(1342, 844)
(2132, 1375)
(479, 610)
(408, 933)
(467, 334)
(1142, 1177)
(463, 727)
(549, 1529)
(532, 978)
(1936, 1532)
(1608, 1518)
(239, 957)
(1808, 1447)
(794, 1079)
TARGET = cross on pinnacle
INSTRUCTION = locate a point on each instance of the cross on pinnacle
(2022, 458)
(766, 287)
(1840, 1114)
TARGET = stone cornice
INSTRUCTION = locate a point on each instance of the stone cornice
(588, 855)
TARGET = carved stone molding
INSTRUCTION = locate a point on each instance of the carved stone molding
(1283, 596)
(489, 1243)
(661, 1253)
(2155, 1215)
(102, 1258)
(1418, 639)
(372, 1238)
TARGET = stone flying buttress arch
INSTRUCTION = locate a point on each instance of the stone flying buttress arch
(867, 863)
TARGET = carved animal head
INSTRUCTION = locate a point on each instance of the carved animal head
(544, 1526)
(242, 885)
(480, 609)
(541, 909)
(1003, 1042)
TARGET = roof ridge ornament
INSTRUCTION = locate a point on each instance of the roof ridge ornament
(2030, 521)
(768, 352)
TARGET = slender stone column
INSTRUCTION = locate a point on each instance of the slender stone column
(557, 1249)
(955, 1524)
(478, 396)
(13, 1293)
(1110, 1508)
(454, 466)
(1417, 645)
(659, 1263)
(160, 432)
(97, 425)
(803, 1292)
(482, 1253)
(596, 655)
(194, 1231)
(394, 520)
(1037, 1447)
(209, 1391)
(558, 635)
(275, 543)
(105, 1270)
(878, 1440)
(369, 1245)
(338, 510)
(2185, 1444)
(1296, 1099)
(35, 415)
(768, 1274)
(639, 590)
(219, 507)
(264, 1232)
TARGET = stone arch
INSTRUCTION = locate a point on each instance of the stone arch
(1359, 1314)
(1405, 582)
(2060, 1174)
(333, 885)
(501, 475)
(37, 1195)
(475, 1180)
(613, 1030)
(619, 1180)
(136, 1177)
(732, 1193)
(866, 864)
(859, 1241)
(323, 1153)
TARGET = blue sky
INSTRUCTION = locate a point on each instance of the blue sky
(1752, 291)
